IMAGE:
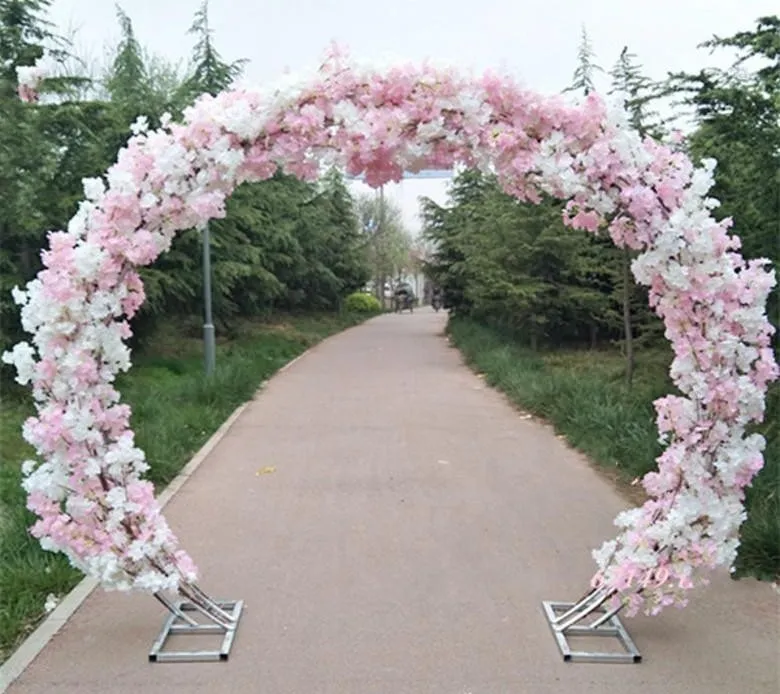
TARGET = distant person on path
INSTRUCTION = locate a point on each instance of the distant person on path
(437, 298)
(404, 297)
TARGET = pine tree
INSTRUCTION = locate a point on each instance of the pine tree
(582, 79)
(23, 33)
(639, 90)
(127, 80)
(25, 157)
(209, 73)
(627, 78)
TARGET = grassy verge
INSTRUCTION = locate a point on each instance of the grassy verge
(584, 396)
(175, 411)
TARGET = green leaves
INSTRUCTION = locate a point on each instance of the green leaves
(283, 244)
(515, 265)
(208, 73)
(738, 116)
(386, 244)
(586, 67)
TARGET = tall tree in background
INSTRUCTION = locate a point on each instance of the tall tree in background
(126, 80)
(513, 264)
(597, 251)
(234, 260)
(640, 94)
(387, 244)
(209, 72)
(737, 111)
(26, 160)
(343, 238)
(638, 91)
(582, 80)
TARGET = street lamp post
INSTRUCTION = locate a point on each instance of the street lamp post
(208, 323)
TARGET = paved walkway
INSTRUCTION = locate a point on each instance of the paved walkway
(403, 545)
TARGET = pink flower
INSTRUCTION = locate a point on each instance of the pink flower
(711, 300)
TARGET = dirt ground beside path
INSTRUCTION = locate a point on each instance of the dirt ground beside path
(403, 544)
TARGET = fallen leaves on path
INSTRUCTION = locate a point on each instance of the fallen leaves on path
(266, 470)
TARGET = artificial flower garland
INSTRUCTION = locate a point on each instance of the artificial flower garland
(88, 490)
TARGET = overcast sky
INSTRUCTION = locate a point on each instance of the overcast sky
(536, 41)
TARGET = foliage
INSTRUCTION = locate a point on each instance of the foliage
(386, 243)
(738, 117)
(360, 302)
(515, 265)
(587, 68)
(209, 73)
(640, 92)
(283, 244)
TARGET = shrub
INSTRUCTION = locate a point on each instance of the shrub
(360, 302)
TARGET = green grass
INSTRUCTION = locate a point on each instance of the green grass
(175, 411)
(584, 396)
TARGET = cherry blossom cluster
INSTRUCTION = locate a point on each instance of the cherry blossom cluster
(88, 488)
(29, 78)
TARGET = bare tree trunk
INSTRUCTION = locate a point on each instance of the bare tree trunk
(627, 284)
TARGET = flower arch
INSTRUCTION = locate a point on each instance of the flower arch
(89, 491)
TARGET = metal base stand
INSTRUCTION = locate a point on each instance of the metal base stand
(567, 620)
(201, 616)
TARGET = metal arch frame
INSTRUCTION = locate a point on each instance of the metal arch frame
(196, 615)
(589, 617)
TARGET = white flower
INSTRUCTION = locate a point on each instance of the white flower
(431, 130)
(51, 602)
(116, 497)
(79, 223)
(94, 188)
(604, 553)
(346, 113)
(87, 259)
(141, 125)
(121, 181)
(19, 296)
(79, 421)
(230, 160)
(78, 506)
(240, 119)
(22, 356)
(137, 550)
(154, 582)
(149, 200)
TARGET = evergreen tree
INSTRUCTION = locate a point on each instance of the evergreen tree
(638, 91)
(26, 159)
(582, 79)
(209, 72)
(127, 80)
(513, 264)
(737, 111)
